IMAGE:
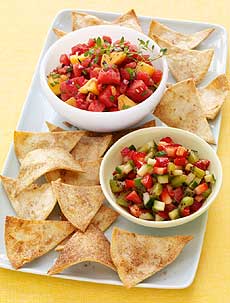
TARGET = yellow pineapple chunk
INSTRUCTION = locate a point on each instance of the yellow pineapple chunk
(71, 101)
(144, 67)
(113, 58)
(90, 87)
(75, 59)
(54, 82)
(124, 102)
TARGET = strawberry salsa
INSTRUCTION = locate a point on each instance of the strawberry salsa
(105, 76)
(163, 181)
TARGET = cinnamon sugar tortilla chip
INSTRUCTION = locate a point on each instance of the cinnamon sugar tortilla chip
(138, 257)
(130, 20)
(104, 217)
(186, 41)
(40, 161)
(35, 202)
(213, 96)
(80, 20)
(59, 33)
(25, 142)
(90, 176)
(91, 245)
(181, 107)
(54, 128)
(184, 63)
(79, 204)
(27, 240)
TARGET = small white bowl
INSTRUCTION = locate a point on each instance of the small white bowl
(100, 121)
(113, 158)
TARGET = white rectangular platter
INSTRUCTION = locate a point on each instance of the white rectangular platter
(36, 111)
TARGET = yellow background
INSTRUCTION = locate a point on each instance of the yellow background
(23, 27)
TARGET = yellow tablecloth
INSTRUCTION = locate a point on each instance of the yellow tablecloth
(23, 26)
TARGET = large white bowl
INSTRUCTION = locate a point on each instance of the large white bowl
(100, 121)
(113, 158)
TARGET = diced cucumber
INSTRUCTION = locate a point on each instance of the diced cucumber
(148, 156)
(148, 200)
(151, 161)
(158, 205)
(189, 167)
(177, 172)
(145, 169)
(163, 179)
(146, 216)
(193, 156)
(189, 178)
(207, 193)
(174, 214)
(171, 167)
(177, 181)
(200, 173)
(194, 183)
(125, 168)
(186, 201)
(116, 186)
(157, 189)
(189, 192)
(119, 177)
(210, 178)
(146, 147)
(122, 201)
(158, 218)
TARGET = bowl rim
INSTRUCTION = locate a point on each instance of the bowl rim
(160, 224)
(43, 76)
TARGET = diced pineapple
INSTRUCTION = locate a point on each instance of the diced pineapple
(124, 102)
(71, 101)
(89, 87)
(144, 67)
(54, 81)
(113, 58)
(74, 59)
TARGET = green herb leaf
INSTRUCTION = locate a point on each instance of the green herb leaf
(132, 147)
(131, 72)
(69, 69)
(112, 98)
(99, 41)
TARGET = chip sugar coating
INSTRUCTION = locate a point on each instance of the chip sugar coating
(138, 257)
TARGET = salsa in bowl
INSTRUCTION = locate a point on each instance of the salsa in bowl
(104, 82)
(160, 177)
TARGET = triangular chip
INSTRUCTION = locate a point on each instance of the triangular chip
(91, 245)
(184, 63)
(35, 202)
(27, 240)
(59, 33)
(79, 204)
(213, 96)
(138, 257)
(91, 148)
(54, 128)
(104, 217)
(40, 161)
(80, 20)
(90, 176)
(25, 142)
(181, 107)
(187, 41)
(130, 20)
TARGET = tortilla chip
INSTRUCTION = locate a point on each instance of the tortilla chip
(40, 161)
(58, 32)
(130, 20)
(27, 240)
(184, 63)
(138, 257)
(89, 177)
(25, 142)
(104, 217)
(79, 204)
(186, 41)
(91, 148)
(91, 245)
(213, 96)
(54, 128)
(181, 107)
(80, 20)
(35, 202)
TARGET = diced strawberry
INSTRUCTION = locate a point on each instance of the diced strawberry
(135, 210)
(169, 207)
(202, 164)
(125, 151)
(129, 183)
(170, 190)
(165, 197)
(134, 197)
(199, 198)
(138, 158)
(178, 194)
(131, 175)
(160, 170)
(195, 206)
(180, 161)
(185, 211)
(171, 150)
(147, 181)
(182, 151)
(162, 161)
(163, 214)
(167, 140)
(201, 188)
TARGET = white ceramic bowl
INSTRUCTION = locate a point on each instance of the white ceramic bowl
(113, 158)
(100, 121)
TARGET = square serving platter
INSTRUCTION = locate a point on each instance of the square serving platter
(36, 110)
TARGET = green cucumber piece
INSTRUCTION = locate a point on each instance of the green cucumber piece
(158, 205)
(200, 173)
(207, 193)
(151, 161)
(189, 167)
(118, 177)
(116, 186)
(122, 202)
(146, 147)
(189, 192)
(174, 214)
(193, 156)
(177, 172)
(125, 168)
(146, 216)
(158, 218)
(132, 147)
(145, 169)
(157, 189)
(210, 178)
(177, 181)
(186, 201)
(189, 178)
(163, 179)
(195, 183)
(148, 200)
(171, 167)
